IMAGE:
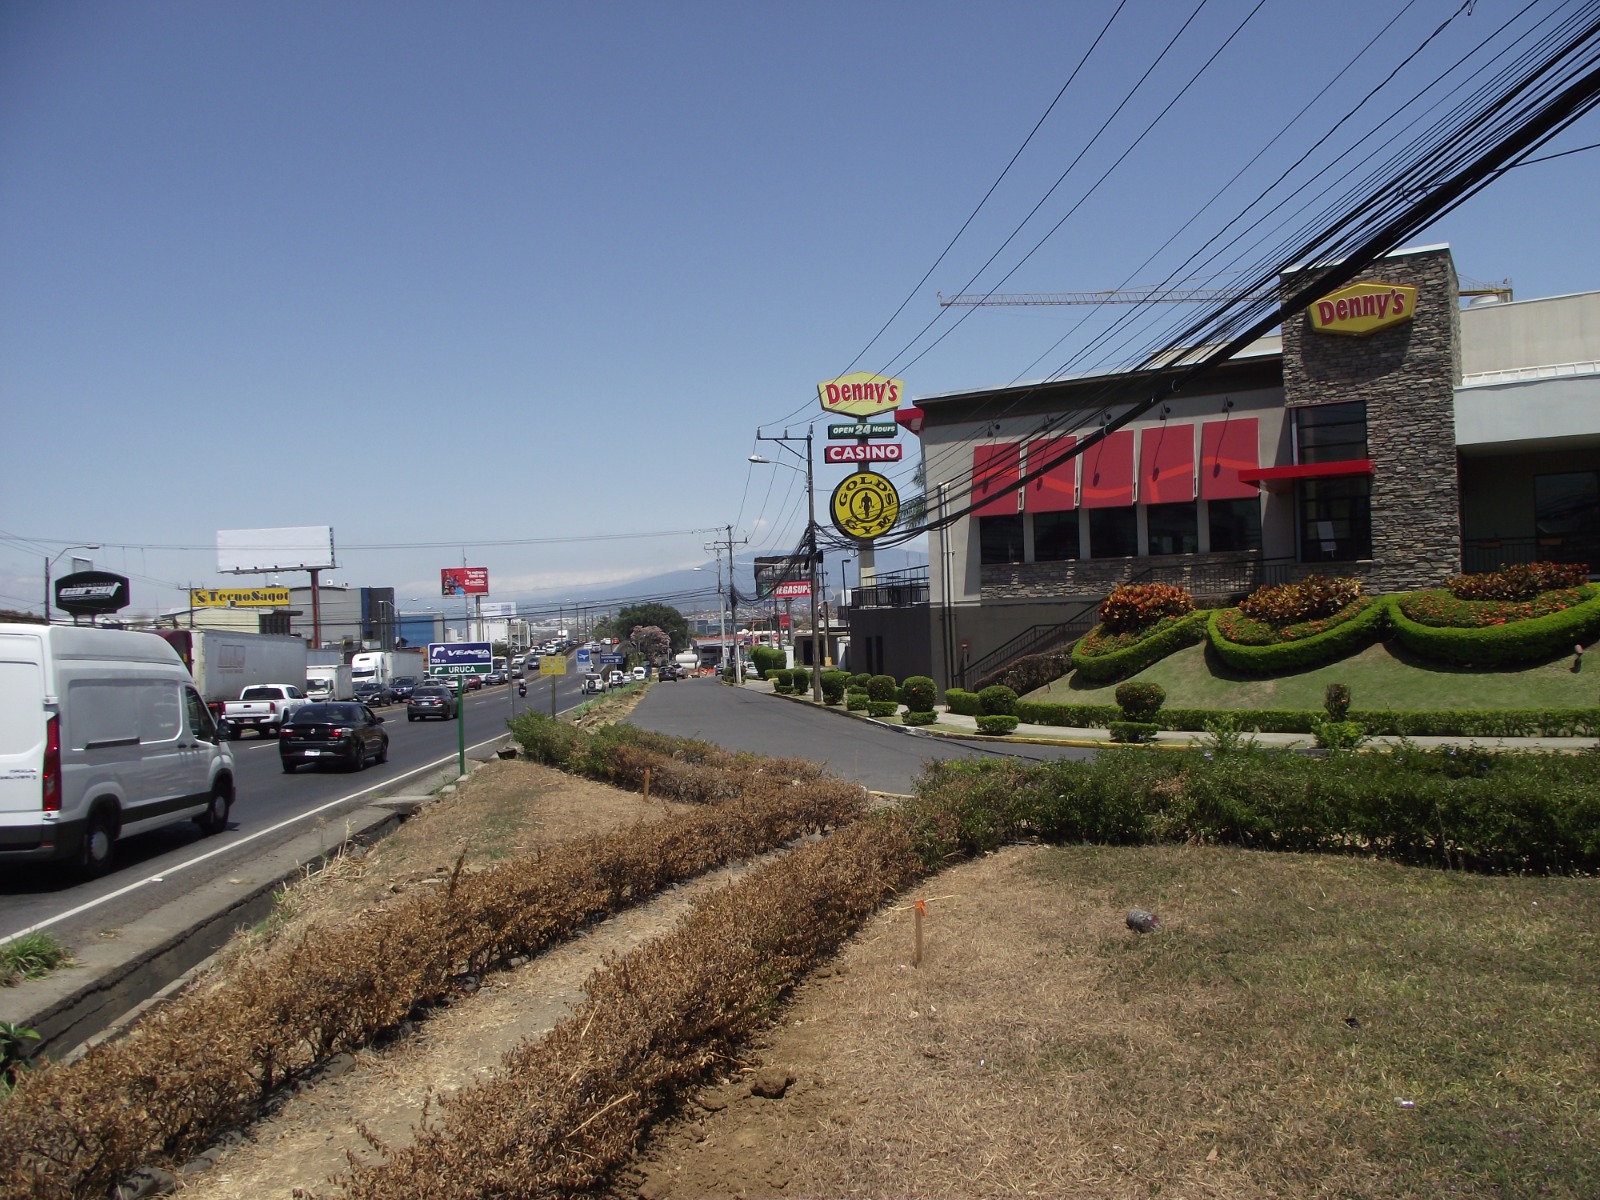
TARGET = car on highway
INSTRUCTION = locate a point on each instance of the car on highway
(345, 733)
(616, 678)
(594, 682)
(474, 682)
(369, 691)
(401, 686)
(494, 678)
(670, 673)
(431, 700)
(641, 673)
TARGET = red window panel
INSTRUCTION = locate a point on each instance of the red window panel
(1166, 463)
(995, 471)
(1226, 448)
(1052, 491)
(1108, 471)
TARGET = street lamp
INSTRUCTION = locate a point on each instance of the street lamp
(394, 619)
(811, 545)
(50, 562)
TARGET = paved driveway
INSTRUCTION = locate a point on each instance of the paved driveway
(877, 756)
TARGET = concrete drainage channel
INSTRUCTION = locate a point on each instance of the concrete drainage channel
(112, 983)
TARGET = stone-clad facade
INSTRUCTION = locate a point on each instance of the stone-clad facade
(1407, 375)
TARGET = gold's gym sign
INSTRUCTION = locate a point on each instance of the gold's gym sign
(865, 505)
(267, 597)
(1363, 308)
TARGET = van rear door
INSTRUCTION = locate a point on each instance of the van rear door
(23, 720)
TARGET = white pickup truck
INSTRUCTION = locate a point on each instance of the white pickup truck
(262, 707)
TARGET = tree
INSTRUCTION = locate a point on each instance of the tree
(650, 642)
(662, 616)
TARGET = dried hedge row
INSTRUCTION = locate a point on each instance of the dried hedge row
(208, 1060)
(565, 1110)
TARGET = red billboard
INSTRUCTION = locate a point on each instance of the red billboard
(464, 581)
(792, 589)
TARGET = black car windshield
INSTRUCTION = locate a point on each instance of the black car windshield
(399, 679)
(315, 714)
(431, 690)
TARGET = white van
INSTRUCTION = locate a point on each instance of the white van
(102, 735)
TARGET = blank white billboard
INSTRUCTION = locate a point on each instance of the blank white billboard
(302, 548)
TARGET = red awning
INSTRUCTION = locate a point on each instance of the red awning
(1108, 471)
(1054, 490)
(1227, 448)
(1166, 463)
(995, 471)
(1277, 477)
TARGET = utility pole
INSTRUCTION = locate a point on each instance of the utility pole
(727, 612)
(811, 547)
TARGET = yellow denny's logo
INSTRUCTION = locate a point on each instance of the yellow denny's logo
(860, 394)
(1363, 308)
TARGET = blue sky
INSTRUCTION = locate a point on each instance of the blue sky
(439, 275)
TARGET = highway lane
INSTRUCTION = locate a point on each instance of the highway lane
(271, 808)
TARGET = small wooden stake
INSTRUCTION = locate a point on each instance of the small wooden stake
(918, 910)
(647, 785)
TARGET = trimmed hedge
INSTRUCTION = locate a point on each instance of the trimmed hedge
(918, 693)
(997, 701)
(1537, 639)
(997, 724)
(1473, 722)
(1130, 660)
(964, 703)
(1134, 732)
(1341, 641)
(882, 708)
(918, 718)
(856, 700)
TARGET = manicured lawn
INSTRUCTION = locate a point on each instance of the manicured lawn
(1379, 678)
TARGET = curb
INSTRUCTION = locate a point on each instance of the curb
(111, 984)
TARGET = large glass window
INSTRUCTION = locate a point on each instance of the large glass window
(1330, 432)
(1567, 505)
(1055, 536)
(1173, 528)
(1335, 519)
(1000, 539)
(1234, 525)
(1113, 533)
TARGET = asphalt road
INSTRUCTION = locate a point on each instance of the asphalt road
(270, 809)
(877, 756)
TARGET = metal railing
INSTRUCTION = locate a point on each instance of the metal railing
(1490, 554)
(893, 589)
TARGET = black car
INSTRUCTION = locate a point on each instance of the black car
(345, 732)
(368, 692)
(402, 686)
(431, 700)
(669, 673)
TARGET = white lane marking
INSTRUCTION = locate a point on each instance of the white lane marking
(173, 870)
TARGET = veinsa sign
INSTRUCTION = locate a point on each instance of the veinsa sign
(1363, 308)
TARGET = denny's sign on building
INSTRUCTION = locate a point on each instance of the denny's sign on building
(861, 394)
(1363, 308)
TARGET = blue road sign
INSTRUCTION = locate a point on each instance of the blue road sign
(460, 658)
(611, 660)
(583, 658)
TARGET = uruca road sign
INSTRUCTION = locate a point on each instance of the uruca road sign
(460, 658)
(865, 505)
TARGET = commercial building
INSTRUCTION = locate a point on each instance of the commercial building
(1388, 433)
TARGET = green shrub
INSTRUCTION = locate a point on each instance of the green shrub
(1098, 660)
(1140, 701)
(881, 687)
(1243, 630)
(1340, 641)
(856, 700)
(1438, 608)
(882, 708)
(965, 703)
(1133, 732)
(546, 740)
(1337, 735)
(997, 701)
(768, 658)
(833, 684)
(1310, 599)
(860, 680)
(997, 723)
(917, 717)
(800, 680)
(1535, 640)
(1030, 673)
(1336, 701)
(919, 693)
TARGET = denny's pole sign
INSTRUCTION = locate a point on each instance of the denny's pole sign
(1363, 308)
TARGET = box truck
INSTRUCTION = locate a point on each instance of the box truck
(329, 683)
(224, 663)
(384, 666)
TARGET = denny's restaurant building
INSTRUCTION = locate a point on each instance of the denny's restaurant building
(1389, 433)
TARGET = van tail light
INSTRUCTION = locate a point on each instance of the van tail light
(52, 764)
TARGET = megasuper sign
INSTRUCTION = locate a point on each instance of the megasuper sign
(1363, 308)
(861, 394)
(869, 452)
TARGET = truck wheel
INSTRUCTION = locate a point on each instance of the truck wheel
(99, 839)
(215, 819)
